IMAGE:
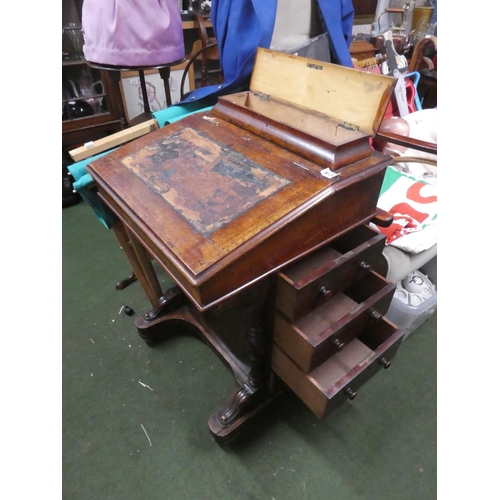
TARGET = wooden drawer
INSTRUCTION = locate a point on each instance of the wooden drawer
(316, 278)
(330, 327)
(339, 378)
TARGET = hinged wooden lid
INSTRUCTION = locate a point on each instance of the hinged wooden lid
(344, 94)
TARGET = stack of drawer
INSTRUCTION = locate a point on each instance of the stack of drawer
(330, 335)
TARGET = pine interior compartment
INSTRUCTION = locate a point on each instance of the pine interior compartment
(329, 328)
(317, 277)
(330, 143)
(339, 377)
(325, 112)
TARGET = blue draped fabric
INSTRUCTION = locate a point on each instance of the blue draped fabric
(242, 26)
(338, 19)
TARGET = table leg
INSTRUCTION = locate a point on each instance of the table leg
(144, 90)
(140, 261)
(253, 395)
(252, 375)
(121, 285)
(165, 75)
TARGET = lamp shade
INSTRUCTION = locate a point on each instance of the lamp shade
(132, 33)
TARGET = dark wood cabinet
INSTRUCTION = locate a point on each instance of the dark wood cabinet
(92, 105)
(87, 118)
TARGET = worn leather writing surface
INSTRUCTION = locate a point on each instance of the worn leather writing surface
(205, 188)
(207, 183)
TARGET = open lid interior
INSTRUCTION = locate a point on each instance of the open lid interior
(343, 94)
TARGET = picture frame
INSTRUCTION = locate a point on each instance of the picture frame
(130, 88)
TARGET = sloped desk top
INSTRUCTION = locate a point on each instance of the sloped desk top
(220, 207)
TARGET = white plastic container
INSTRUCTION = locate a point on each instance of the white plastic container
(414, 301)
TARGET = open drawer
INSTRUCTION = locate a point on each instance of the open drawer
(339, 378)
(330, 327)
(318, 277)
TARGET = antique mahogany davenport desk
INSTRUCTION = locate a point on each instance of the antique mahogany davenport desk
(258, 211)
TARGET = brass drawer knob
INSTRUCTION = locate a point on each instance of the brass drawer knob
(350, 393)
(325, 293)
(338, 344)
(384, 362)
(365, 267)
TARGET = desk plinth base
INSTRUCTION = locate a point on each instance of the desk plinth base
(247, 407)
(248, 357)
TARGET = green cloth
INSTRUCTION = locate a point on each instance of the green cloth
(178, 112)
(83, 180)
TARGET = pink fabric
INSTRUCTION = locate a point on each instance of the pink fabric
(132, 32)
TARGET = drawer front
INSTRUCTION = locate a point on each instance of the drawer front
(330, 327)
(340, 377)
(315, 279)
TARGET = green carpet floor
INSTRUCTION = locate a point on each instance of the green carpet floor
(135, 417)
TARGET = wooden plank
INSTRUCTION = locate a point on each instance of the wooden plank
(345, 94)
(113, 140)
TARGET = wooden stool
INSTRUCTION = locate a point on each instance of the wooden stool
(164, 70)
